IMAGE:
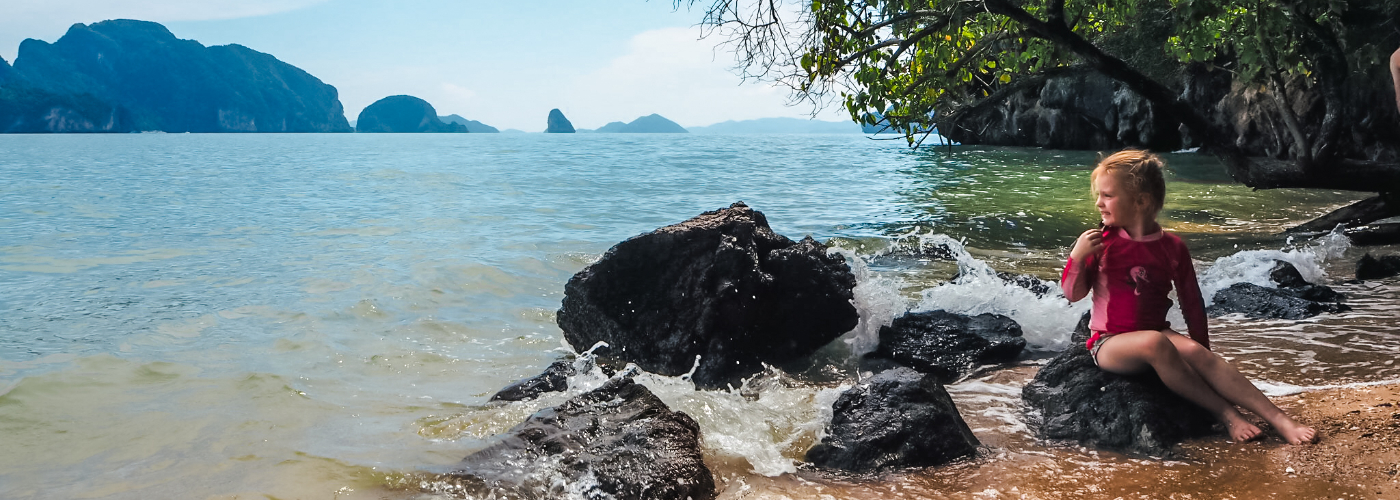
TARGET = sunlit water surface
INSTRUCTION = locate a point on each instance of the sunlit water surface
(325, 316)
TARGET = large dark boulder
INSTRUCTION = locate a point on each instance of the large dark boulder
(721, 286)
(898, 418)
(1370, 268)
(163, 83)
(949, 345)
(403, 114)
(619, 441)
(1294, 298)
(1077, 401)
(556, 123)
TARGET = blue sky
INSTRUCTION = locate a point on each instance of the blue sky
(503, 63)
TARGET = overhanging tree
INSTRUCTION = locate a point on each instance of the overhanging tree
(917, 65)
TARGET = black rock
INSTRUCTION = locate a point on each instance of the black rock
(557, 123)
(898, 418)
(1294, 298)
(403, 114)
(1370, 268)
(1077, 401)
(1036, 285)
(949, 345)
(554, 379)
(125, 75)
(722, 286)
(620, 437)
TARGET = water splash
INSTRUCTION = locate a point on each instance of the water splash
(1046, 321)
(877, 300)
(1253, 266)
(766, 425)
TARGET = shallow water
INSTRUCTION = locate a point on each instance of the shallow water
(324, 316)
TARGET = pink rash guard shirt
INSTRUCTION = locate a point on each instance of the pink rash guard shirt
(1130, 279)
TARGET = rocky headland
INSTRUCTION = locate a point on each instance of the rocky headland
(125, 75)
(556, 123)
(649, 124)
(473, 126)
(403, 114)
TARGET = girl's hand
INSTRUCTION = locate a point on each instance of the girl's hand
(1089, 243)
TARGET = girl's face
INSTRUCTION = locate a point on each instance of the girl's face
(1117, 205)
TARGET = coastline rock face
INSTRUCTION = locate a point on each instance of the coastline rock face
(620, 440)
(1294, 298)
(898, 418)
(721, 286)
(1370, 268)
(473, 126)
(167, 84)
(557, 123)
(403, 114)
(26, 110)
(948, 345)
(650, 124)
(1079, 402)
(1083, 109)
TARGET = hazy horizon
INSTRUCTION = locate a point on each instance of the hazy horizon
(501, 65)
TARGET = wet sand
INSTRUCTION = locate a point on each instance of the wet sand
(1357, 457)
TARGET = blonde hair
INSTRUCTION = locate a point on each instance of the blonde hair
(1142, 174)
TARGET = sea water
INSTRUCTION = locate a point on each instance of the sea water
(325, 316)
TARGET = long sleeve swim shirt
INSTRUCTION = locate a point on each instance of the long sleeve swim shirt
(1130, 279)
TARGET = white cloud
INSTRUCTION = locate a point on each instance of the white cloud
(48, 20)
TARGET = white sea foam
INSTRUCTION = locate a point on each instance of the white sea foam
(877, 300)
(1274, 389)
(1046, 321)
(1252, 266)
(769, 422)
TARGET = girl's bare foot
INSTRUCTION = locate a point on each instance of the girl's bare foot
(1295, 433)
(1240, 429)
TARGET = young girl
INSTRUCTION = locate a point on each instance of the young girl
(1131, 264)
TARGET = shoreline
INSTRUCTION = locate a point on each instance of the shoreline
(1360, 437)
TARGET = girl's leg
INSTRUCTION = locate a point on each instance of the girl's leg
(1132, 352)
(1232, 385)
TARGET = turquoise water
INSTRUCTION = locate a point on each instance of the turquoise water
(325, 316)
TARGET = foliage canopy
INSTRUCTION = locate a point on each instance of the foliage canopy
(916, 63)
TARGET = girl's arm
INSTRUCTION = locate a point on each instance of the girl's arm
(1188, 292)
(1078, 275)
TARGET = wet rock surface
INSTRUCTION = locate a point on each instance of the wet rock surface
(1138, 414)
(898, 418)
(722, 286)
(618, 441)
(949, 345)
(1295, 298)
(1370, 268)
(554, 379)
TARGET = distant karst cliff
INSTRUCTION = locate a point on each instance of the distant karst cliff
(650, 124)
(402, 114)
(557, 124)
(124, 75)
(473, 126)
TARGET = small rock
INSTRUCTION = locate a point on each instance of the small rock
(949, 345)
(619, 441)
(554, 379)
(1294, 298)
(1370, 268)
(898, 418)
